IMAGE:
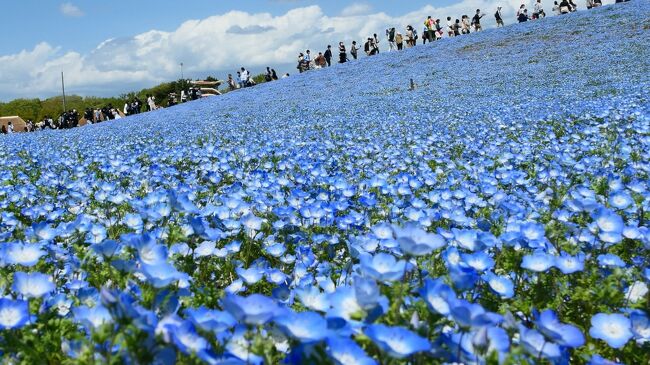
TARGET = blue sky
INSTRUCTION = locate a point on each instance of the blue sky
(103, 19)
(108, 48)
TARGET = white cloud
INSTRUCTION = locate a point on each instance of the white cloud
(356, 9)
(213, 45)
(69, 9)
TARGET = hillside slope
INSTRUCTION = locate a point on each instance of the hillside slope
(498, 211)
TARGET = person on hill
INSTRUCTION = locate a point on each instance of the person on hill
(439, 31)
(343, 54)
(520, 10)
(245, 77)
(430, 26)
(375, 42)
(354, 50)
(391, 39)
(556, 8)
(410, 37)
(523, 17)
(320, 61)
(538, 10)
(476, 20)
(3, 130)
(425, 35)
(274, 75)
(285, 75)
(597, 3)
(450, 27)
(231, 85)
(328, 55)
(10, 127)
(127, 108)
(498, 17)
(152, 103)
(457, 28)
(565, 7)
(574, 6)
(268, 77)
(307, 56)
(399, 41)
(466, 25)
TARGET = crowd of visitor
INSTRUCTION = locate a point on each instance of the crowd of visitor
(433, 30)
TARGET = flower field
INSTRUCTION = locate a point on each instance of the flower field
(498, 213)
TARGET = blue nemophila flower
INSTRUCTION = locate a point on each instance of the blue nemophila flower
(255, 309)
(307, 327)
(467, 239)
(251, 275)
(621, 200)
(367, 292)
(538, 346)
(383, 267)
(346, 352)
(190, 342)
(312, 298)
(615, 329)
(437, 294)
(640, 326)
(398, 342)
(610, 260)
(501, 285)
(538, 262)
(563, 334)
(92, 318)
(636, 292)
(133, 221)
(13, 313)
(599, 360)
(32, 285)
(22, 254)
(532, 231)
(44, 231)
(211, 320)
(415, 241)
(107, 248)
(162, 274)
(569, 264)
(479, 261)
(610, 224)
(468, 314)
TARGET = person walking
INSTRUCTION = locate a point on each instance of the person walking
(439, 31)
(410, 36)
(391, 39)
(429, 25)
(538, 11)
(343, 54)
(328, 56)
(399, 41)
(450, 27)
(354, 50)
(565, 7)
(457, 28)
(476, 20)
(231, 86)
(499, 17)
(523, 17)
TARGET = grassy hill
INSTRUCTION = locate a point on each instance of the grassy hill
(496, 213)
